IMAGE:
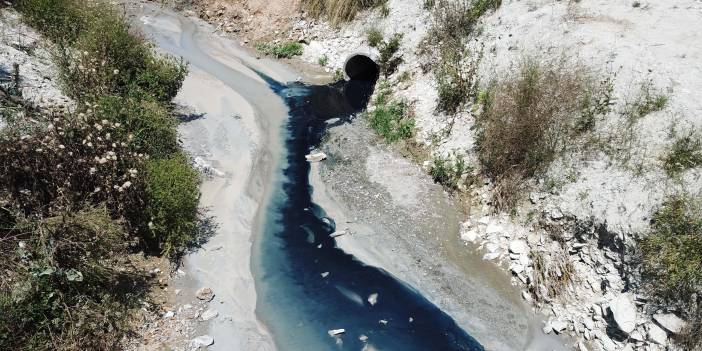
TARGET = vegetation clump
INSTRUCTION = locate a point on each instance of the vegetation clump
(390, 118)
(672, 259)
(374, 37)
(684, 154)
(449, 173)
(283, 50)
(389, 58)
(338, 11)
(81, 191)
(528, 119)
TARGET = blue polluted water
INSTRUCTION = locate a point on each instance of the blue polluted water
(295, 301)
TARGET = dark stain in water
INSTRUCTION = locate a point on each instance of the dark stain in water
(295, 301)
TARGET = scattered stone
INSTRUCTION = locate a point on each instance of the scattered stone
(373, 299)
(205, 294)
(363, 338)
(209, 314)
(383, 322)
(335, 332)
(559, 326)
(484, 220)
(325, 274)
(316, 157)
(624, 312)
(470, 235)
(656, 334)
(670, 322)
(169, 314)
(518, 247)
(556, 214)
(493, 228)
(491, 256)
(202, 341)
(607, 343)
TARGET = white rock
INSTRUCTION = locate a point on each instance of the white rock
(209, 314)
(335, 332)
(203, 340)
(315, 157)
(624, 312)
(383, 322)
(484, 220)
(582, 347)
(363, 338)
(637, 335)
(559, 326)
(493, 228)
(518, 247)
(670, 322)
(492, 247)
(657, 334)
(324, 274)
(169, 314)
(491, 256)
(470, 235)
(516, 268)
(373, 299)
(556, 214)
(607, 343)
(205, 294)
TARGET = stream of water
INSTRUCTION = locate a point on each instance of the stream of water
(309, 286)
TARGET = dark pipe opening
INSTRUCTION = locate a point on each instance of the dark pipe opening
(361, 67)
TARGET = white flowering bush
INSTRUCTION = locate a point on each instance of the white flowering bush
(74, 160)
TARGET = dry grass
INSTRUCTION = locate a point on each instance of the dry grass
(528, 120)
(551, 276)
(338, 11)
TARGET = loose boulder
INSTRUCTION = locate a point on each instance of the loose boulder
(670, 322)
(624, 312)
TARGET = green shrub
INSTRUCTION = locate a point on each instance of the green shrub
(151, 126)
(104, 57)
(171, 204)
(390, 118)
(374, 37)
(456, 79)
(66, 283)
(389, 59)
(454, 20)
(284, 50)
(447, 172)
(672, 260)
(648, 100)
(685, 153)
(323, 60)
(60, 20)
(338, 11)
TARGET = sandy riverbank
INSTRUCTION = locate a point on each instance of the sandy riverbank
(399, 220)
(233, 135)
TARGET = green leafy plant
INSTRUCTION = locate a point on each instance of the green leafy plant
(374, 37)
(284, 50)
(389, 59)
(323, 60)
(390, 118)
(672, 260)
(171, 202)
(448, 171)
(685, 153)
